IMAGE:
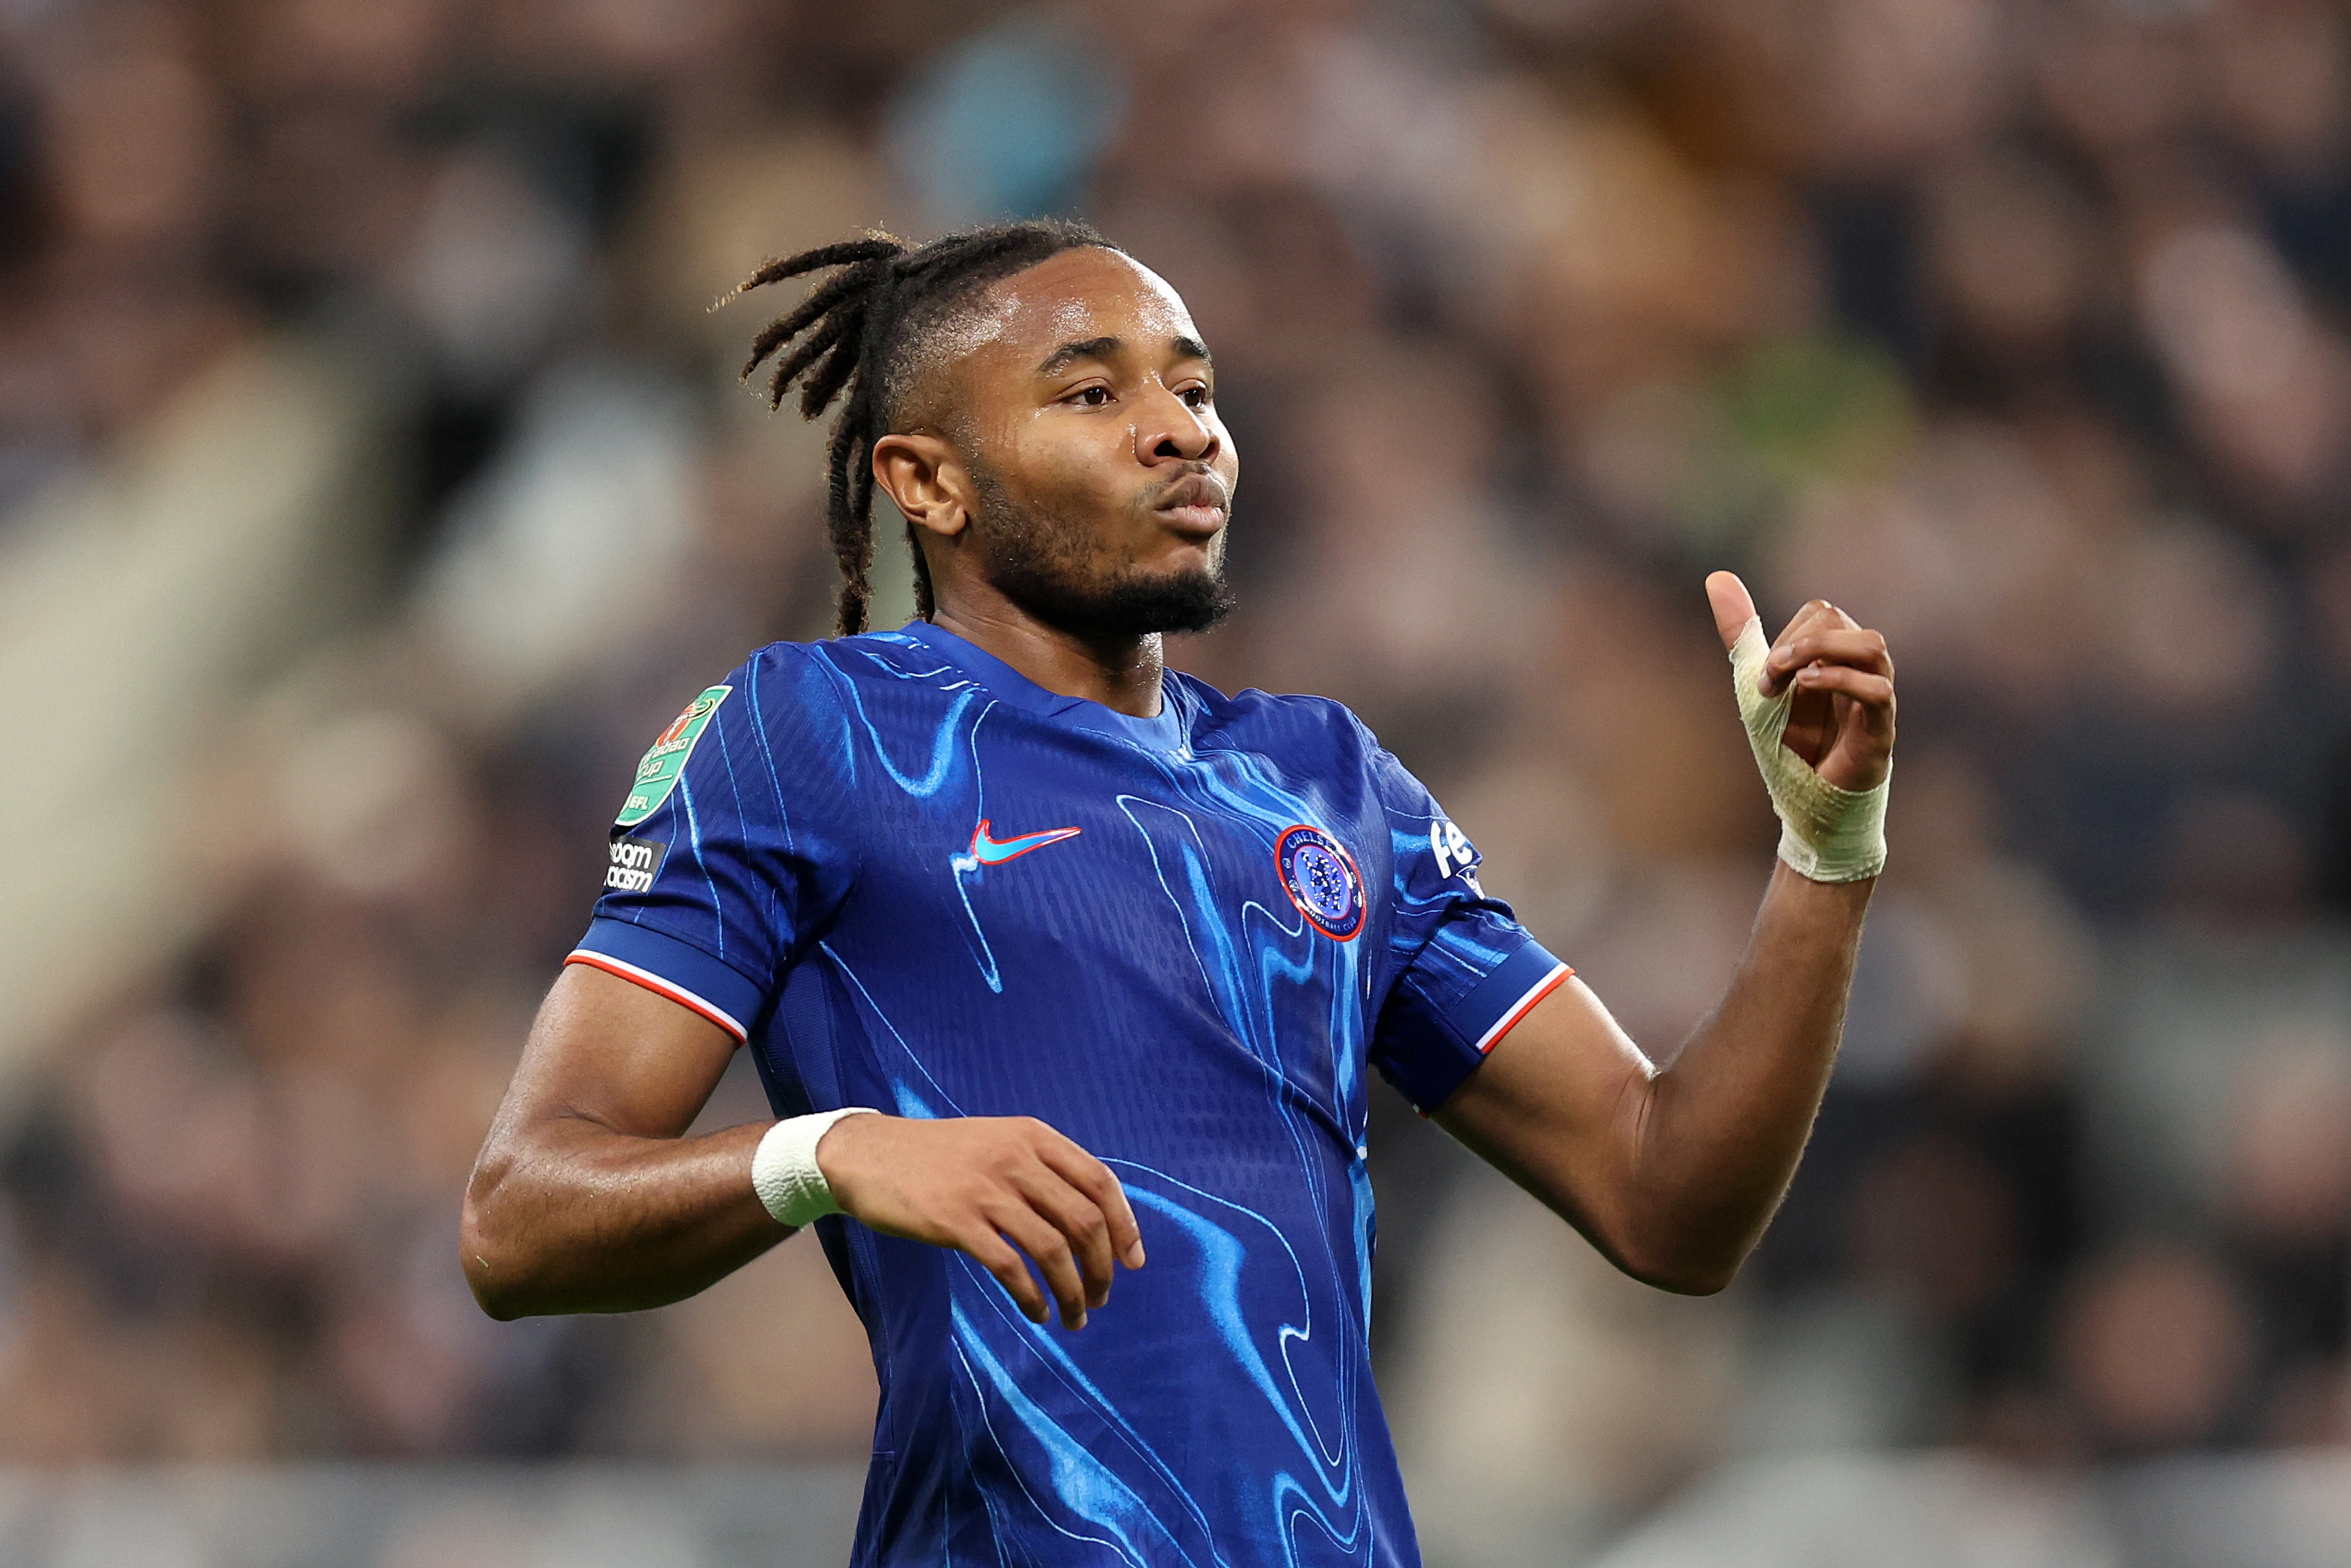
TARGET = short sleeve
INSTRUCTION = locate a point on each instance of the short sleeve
(1465, 970)
(731, 848)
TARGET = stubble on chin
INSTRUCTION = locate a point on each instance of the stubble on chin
(1052, 567)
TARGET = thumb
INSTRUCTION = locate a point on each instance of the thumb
(1733, 608)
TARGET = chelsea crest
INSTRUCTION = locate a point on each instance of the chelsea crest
(1321, 881)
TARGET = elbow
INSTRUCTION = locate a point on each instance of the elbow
(499, 1305)
(494, 1271)
(1686, 1279)
(495, 1307)
(1670, 1243)
(1677, 1265)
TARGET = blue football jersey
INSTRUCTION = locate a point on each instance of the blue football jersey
(911, 879)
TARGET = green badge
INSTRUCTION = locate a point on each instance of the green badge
(658, 774)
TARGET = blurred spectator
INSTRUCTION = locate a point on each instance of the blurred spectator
(2286, 1188)
(2154, 1348)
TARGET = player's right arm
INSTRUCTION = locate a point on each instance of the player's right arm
(738, 837)
(588, 1197)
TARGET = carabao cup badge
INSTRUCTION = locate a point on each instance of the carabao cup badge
(1321, 879)
(662, 767)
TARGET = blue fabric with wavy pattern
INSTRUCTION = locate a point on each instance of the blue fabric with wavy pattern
(867, 868)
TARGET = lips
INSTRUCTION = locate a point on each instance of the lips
(1194, 504)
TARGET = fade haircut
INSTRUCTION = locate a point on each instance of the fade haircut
(875, 329)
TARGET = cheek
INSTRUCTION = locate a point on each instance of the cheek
(1067, 463)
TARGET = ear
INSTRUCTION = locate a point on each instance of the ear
(923, 474)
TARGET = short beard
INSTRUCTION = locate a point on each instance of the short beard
(1045, 565)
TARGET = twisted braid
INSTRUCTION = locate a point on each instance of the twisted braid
(861, 333)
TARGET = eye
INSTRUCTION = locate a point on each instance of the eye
(1196, 397)
(1091, 397)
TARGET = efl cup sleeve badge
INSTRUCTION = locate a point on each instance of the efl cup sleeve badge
(1321, 878)
(662, 767)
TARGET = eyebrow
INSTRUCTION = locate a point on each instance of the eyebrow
(1068, 354)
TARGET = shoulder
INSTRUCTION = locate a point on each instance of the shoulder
(1262, 720)
(849, 665)
(788, 663)
(1321, 732)
(836, 695)
(785, 700)
(811, 680)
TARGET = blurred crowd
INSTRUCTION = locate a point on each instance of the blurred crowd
(2020, 328)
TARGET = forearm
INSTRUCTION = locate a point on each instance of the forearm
(1674, 1171)
(1715, 1136)
(568, 1215)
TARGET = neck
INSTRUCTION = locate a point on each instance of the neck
(1120, 673)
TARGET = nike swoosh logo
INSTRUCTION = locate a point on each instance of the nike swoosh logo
(995, 851)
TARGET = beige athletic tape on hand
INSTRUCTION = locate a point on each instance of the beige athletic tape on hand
(1825, 833)
(784, 1171)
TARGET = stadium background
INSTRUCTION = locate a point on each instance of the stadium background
(373, 483)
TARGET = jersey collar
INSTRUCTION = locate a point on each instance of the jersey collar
(1165, 732)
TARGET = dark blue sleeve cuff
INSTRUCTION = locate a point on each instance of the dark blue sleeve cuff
(677, 969)
(1505, 996)
(1427, 1051)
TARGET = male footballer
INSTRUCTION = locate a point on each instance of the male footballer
(1053, 960)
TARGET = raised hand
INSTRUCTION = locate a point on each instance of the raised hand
(1841, 722)
(986, 1186)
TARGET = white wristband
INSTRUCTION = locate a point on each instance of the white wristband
(784, 1172)
(1825, 833)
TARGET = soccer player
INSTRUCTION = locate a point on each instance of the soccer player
(1052, 958)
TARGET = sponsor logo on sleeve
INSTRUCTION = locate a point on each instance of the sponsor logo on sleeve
(661, 767)
(635, 864)
(1454, 854)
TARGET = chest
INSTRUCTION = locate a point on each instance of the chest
(1048, 851)
(1175, 951)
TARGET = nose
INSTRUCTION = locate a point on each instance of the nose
(1173, 431)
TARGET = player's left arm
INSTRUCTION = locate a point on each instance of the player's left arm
(1673, 1171)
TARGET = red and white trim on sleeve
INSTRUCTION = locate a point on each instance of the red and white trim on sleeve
(660, 987)
(1524, 1004)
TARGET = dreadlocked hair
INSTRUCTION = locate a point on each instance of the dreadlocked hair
(861, 332)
